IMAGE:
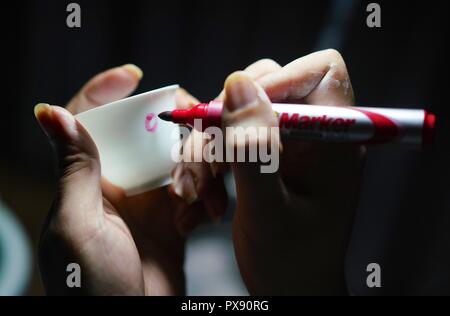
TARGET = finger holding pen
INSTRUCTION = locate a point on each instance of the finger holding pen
(202, 181)
(292, 226)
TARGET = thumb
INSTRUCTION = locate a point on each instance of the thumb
(251, 128)
(78, 162)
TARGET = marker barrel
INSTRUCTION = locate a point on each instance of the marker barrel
(356, 125)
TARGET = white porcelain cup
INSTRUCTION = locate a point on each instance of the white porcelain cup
(134, 144)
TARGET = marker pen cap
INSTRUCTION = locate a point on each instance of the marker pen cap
(429, 126)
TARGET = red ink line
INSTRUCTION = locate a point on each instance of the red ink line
(151, 123)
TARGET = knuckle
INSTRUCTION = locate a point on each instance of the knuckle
(337, 65)
(267, 63)
(334, 55)
(335, 60)
(74, 163)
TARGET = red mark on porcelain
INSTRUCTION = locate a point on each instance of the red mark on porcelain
(151, 123)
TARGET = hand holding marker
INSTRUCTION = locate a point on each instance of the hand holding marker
(330, 124)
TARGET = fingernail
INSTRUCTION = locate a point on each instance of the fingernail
(135, 70)
(184, 185)
(41, 108)
(42, 112)
(240, 91)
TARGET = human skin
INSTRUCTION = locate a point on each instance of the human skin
(291, 229)
(124, 245)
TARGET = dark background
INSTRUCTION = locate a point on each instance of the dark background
(404, 216)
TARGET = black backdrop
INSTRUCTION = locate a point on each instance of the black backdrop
(404, 217)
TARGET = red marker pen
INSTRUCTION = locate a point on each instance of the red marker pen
(330, 124)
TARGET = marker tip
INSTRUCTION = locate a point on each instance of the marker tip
(165, 116)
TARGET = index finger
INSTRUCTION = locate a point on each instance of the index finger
(318, 78)
(108, 86)
(258, 70)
